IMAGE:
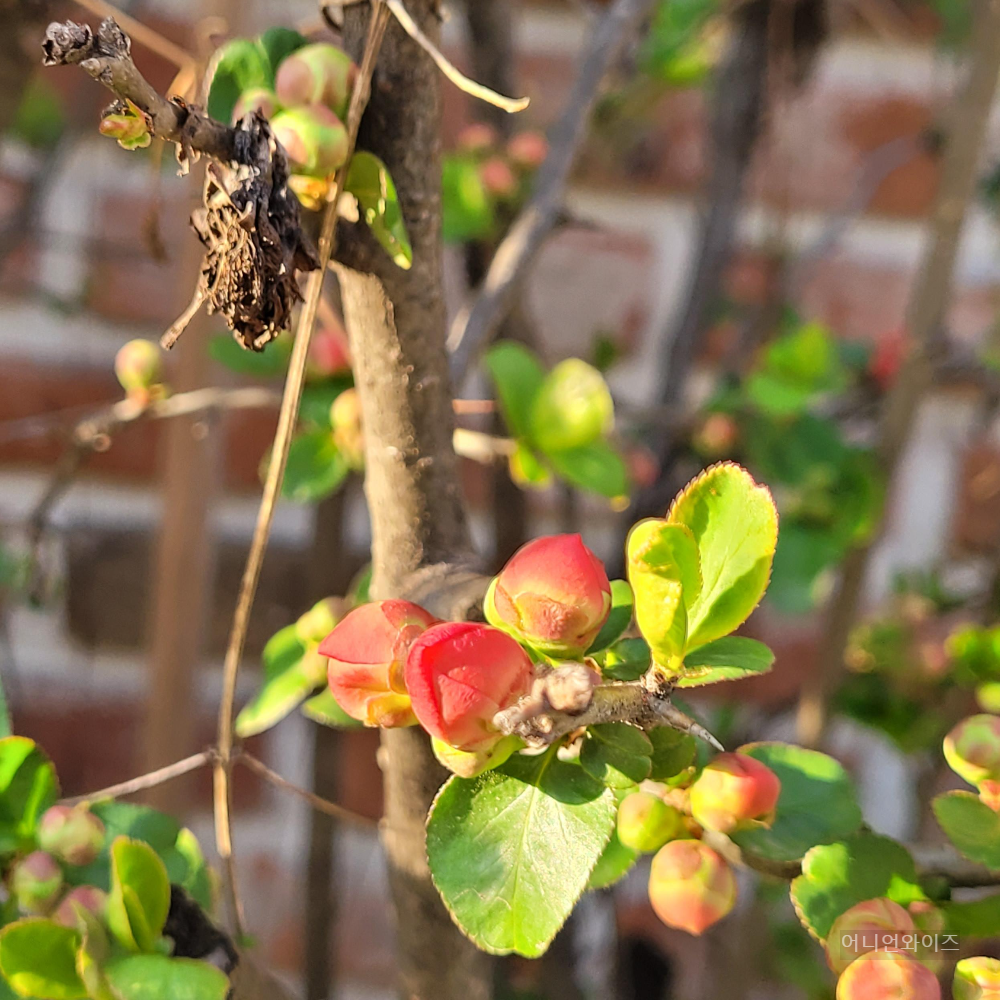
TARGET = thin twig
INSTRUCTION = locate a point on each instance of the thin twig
(316, 801)
(478, 90)
(142, 33)
(147, 781)
(282, 441)
(475, 325)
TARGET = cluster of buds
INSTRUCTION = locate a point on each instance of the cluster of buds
(972, 750)
(503, 169)
(139, 370)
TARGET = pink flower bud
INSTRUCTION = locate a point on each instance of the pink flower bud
(314, 139)
(477, 138)
(259, 99)
(972, 749)
(734, 790)
(646, 822)
(367, 653)
(468, 764)
(459, 675)
(497, 177)
(72, 833)
(873, 924)
(887, 975)
(977, 979)
(690, 886)
(35, 882)
(329, 353)
(317, 74)
(528, 150)
(348, 432)
(87, 897)
(717, 436)
(138, 365)
(553, 594)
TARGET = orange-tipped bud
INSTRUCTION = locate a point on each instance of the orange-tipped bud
(497, 177)
(317, 74)
(733, 791)
(477, 138)
(259, 99)
(977, 979)
(138, 366)
(528, 150)
(314, 139)
(646, 822)
(87, 897)
(690, 886)
(873, 924)
(72, 833)
(972, 749)
(887, 975)
(35, 883)
(329, 353)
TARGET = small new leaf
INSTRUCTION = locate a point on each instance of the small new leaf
(129, 124)
(369, 181)
(971, 825)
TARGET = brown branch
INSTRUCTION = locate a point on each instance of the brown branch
(282, 442)
(143, 34)
(932, 291)
(146, 781)
(475, 325)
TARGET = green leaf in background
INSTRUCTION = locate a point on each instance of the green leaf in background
(277, 44)
(671, 52)
(323, 708)
(466, 207)
(616, 754)
(837, 876)
(728, 659)
(140, 895)
(271, 362)
(518, 375)
(28, 786)
(803, 557)
(626, 660)
(979, 918)
(673, 752)
(664, 568)
(315, 467)
(238, 65)
(735, 523)
(38, 959)
(527, 470)
(572, 408)
(594, 468)
(618, 620)
(282, 651)
(369, 181)
(512, 850)
(817, 804)
(157, 977)
(971, 825)
(282, 694)
(615, 862)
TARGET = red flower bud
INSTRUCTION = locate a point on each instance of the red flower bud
(72, 833)
(348, 432)
(732, 791)
(35, 882)
(717, 436)
(317, 74)
(329, 353)
(259, 99)
(497, 177)
(528, 150)
(459, 675)
(977, 979)
(477, 138)
(873, 924)
(646, 822)
(367, 653)
(553, 594)
(887, 975)
(314, 139)
(972, 749)
(138, 366)
(87, 897)
(690, 886)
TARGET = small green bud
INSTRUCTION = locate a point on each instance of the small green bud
(646, 822)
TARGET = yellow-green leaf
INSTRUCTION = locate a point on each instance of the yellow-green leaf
(140, 894)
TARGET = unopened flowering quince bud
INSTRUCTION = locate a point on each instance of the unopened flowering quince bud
(317, 74)
(459, 675)
(553, 594)
(528, 150)
(977, 979)
(138, 366)
(646, 822)
(717, 436)
(690, 886)
(468, 764)
(314, 139)
(888, 975)
(873, 924)
(972, 750)
(35, 882)
(497, 177)
(72, 833)
(259, 99)
(367, 654)
(87, 897)
(734, 790)
(329, 353)
(477, 138)
(348, 432)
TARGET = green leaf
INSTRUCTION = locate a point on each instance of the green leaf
(38, 959)
(615, 862)
(817, 804)
(673, 752)
(239, 65)
(518, 375)
(727, 659)
(28, 786)
(664, 568)
(157, 977)
(511, 851)
(323, 708)
(282, 694)
(468, 213)
(315, 467)
(618, 620)
(735, 523)
(277, 44)
(369, 181)
(837, 876)
(626, 660)
(572, 408)
(270, 362)
(805, 553)
(971, 825)
(616, 754)
(527, 470)
(594, 468)
(979, 918)
(140, 895)
(282, 651)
